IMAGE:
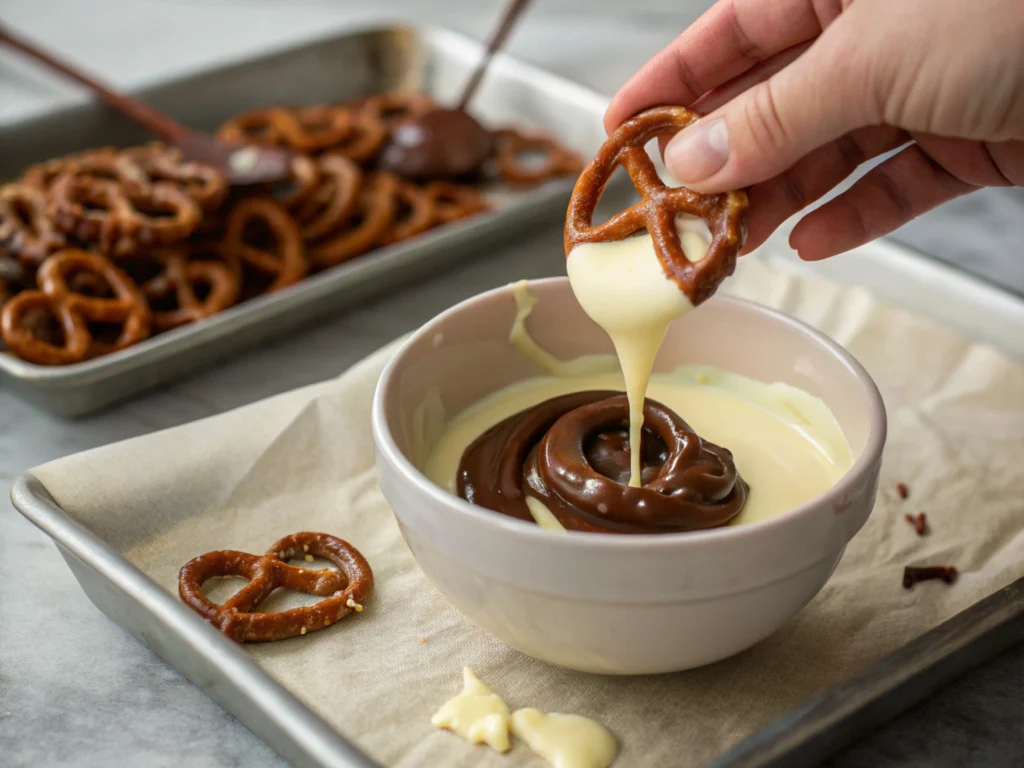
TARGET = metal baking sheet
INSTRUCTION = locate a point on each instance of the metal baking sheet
(349, 65)
(805, 736)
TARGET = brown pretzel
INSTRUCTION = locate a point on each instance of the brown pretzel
(260, 235)
(119, 220)
(454, 201)
(375, 210)
(26, 230)
(344, 590)
(657, 210)
(304, 129)
(396, 106)
(101, 162)
(173, 281)
(74, 311)
(156, 163)
(304, 182)
(334, 198)
(367, 137)
(557, 160)
(415, 212)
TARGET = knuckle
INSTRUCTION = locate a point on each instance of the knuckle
(767, 127)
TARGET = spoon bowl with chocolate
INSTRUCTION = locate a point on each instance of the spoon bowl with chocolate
(503, 447)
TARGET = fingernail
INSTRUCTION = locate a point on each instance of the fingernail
(698, 152)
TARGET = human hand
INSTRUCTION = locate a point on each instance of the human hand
(798, 93)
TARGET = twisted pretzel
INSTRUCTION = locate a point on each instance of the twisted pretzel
(179, 281)
(121, 220)
(454, 201)
(157, 163)
(657, 210)
(334, 198)
(344, 590)
(26, 231)
(394, 107)
(305, 180)
(261, 235)
(74, 311)
(512, 145)
(415, 212)
(366, 138)
(100, 162)
(303, 129)
(375, 210)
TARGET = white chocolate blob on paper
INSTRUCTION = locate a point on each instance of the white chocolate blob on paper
(623, 287)
(565, 741)
(477, 714)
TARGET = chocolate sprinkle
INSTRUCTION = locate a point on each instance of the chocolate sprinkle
(913, 574)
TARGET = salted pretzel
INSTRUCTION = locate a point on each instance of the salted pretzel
(344, 590)
(333, 200)
(26, 230)
(260, 235)
(454, 201)
(374, 213)
(395, 106)
(177, 280)
(511, 145)
(120, 220)
(303, 129)
(660, 204)
(156, 162)
(415, 212)
(74, 311)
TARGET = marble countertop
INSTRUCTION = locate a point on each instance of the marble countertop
(75, 689)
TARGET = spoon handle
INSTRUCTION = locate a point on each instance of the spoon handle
(149, 118)
(509, 17)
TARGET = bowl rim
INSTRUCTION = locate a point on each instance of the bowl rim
(844, 487)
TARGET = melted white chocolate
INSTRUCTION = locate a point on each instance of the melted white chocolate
(786, 443)
(622, 286)
(565, 741)
(477, 714)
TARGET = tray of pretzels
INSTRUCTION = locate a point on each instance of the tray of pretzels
(125, 266)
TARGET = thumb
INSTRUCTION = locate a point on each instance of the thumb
(767, 128)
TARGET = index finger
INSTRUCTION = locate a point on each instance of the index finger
(730, 38)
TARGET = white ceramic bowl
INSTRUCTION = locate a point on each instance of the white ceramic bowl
(619, 604)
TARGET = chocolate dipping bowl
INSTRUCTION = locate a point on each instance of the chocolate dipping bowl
(608, 603)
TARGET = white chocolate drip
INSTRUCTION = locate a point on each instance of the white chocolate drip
(622, 286)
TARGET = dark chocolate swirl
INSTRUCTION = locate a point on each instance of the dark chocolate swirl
(572, 454)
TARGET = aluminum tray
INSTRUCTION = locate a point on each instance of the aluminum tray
(343, 67)
(805, 736)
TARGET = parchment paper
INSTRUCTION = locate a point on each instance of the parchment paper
(303, 461)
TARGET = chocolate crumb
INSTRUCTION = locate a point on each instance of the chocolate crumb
(902, 490)
(919, 521)
(913, 574)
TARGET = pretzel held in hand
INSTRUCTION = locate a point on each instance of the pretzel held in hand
(660, 204)
(344, 590)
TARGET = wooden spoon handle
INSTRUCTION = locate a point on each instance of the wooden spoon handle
(152, 120)
(508, 20)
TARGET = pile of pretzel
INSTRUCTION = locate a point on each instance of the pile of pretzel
(100, 250)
